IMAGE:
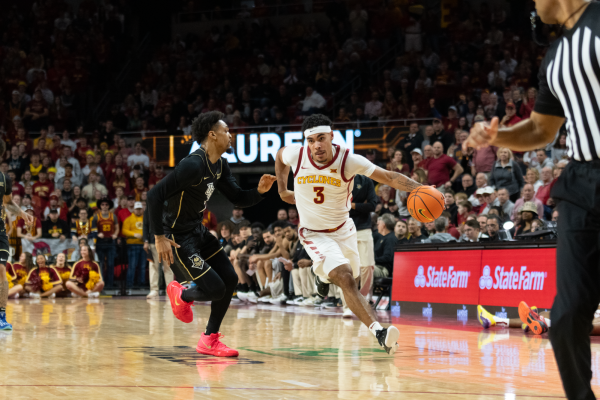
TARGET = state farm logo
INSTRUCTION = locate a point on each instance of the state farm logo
(502, 314)
(439, 278)
(512, 280)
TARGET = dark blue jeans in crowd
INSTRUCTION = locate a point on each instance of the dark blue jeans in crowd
(137, 264)
(106, 256)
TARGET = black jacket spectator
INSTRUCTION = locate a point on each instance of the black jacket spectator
(384, 250)
(60, 227)
(509, 177)
(365, 200)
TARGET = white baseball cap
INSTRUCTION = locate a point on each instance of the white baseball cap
(418, 151)
(138, 204)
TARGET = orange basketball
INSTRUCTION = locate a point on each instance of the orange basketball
(425, 204)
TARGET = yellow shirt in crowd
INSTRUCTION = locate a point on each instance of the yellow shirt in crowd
(132, 225)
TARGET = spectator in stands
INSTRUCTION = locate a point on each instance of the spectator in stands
(465, 209)
(31, 232)
(93, 185)
(81, 228)
(106, 228)
(398, 163)
(157, 176)
(507, 174)
(401, 231)
(428, 139)
(543, 192)
(560, 150)
(66, 152)
(504, 201)
(527, 195)
(313, 103)
(237, 215)
(302, 276)
(139, 189)
(543, 160)
(441, 234)
(451, 206)
(293, 217)
(66, 141)
(138, 157)
(493, 225)
(133, 231)
(440, 166)
(528, 214)
(384, 244)
(119, 180)
(86, 276)
(126, 212)
(413, 140)
(418, 161)
(43, 187)
(415, 232)
(473, 232)
(511, 118)
(53, 204)
(36, 113)
(54, 227)
(374, 108)
(440, 135)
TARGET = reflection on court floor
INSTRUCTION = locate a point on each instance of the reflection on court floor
(135, 349)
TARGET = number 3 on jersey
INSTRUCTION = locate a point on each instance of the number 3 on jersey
(320, 199)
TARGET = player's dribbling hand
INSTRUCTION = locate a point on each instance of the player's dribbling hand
(482, 135)
(288, 197)
(27, 217)
(265, 183)
(163, 248)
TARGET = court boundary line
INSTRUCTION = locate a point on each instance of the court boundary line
(288, 389)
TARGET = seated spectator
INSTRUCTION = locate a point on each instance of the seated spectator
(543, 192)
(440, 167)
(560, 150)
(418, 161)
(54, 227)
(527, 195)
(441, 234)
(119, 181)
(493, 227)
(139, 189)
(86, 277)
(528, 213)
(473, 232)
(451, 206)
(414, 229)
(384, 244)
(429, 227)
(467, 185)
(489, 199)
(398, 164)
(504, 202)
(511, 118)
(31, 232)
(413, 140)
(81, 228)
(401, 231)
(465, 209)
(293, 217)
(237, 215)
(543, 160)
(533, 178)
(507, 174)
(43, 187)
(391, 208)
(138, 157)
(313, 103)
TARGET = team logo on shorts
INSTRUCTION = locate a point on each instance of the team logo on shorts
(197, 261)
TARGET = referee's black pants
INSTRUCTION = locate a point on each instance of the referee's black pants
(578, 275)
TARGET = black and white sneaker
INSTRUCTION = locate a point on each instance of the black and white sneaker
(387, 339)
(322, 288)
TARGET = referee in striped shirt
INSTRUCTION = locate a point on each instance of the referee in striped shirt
(569, 80)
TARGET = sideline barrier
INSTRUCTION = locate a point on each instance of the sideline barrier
(502, 274)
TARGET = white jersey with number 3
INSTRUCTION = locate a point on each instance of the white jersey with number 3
(324, 192)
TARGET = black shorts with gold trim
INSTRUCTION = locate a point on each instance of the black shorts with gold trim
(192, 258)
(4, 249)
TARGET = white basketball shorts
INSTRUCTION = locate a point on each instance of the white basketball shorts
(329, 250)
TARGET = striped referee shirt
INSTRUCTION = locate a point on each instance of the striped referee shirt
(569, 80)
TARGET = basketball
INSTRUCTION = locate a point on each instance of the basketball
(425, 204)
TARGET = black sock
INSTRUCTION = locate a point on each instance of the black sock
(244, 288)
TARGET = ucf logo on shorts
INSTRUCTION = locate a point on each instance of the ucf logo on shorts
(197, 261)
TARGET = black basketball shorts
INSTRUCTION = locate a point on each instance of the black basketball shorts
(4, 249)
(197, 247)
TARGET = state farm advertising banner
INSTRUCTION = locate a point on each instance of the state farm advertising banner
(511, 276)
(488, 277)
(437, 276)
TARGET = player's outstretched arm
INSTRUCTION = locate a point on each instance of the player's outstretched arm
(238, 196)
(394, 179)
(527, 135)
(282, 171)
(14, 209)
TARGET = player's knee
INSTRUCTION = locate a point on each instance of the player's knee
(345, 280)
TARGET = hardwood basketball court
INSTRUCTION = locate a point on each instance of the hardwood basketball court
(134, 348)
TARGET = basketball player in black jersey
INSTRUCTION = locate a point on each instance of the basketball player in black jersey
(6, 193)
(175, 208)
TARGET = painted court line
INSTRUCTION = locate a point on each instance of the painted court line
(502, 395)
(297, 383)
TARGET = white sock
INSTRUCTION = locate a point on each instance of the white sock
(501, 321)
(374, 327)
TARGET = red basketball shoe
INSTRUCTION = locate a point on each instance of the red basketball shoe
(212, 345)
(536, 323)
(181, 309)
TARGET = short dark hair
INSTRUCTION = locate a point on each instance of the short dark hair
(473, 224)
(258, 225)
(450, 191)
(497, 218)
(315, 120)
(205, 123)
(244, 223)
(281, 224)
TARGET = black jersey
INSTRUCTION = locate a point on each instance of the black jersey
(570, 82)
(176, 203)
(5, 189)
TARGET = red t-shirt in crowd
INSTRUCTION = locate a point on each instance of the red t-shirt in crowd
(543, 192)
(31, 229)
(439, 169)
(17, 188)
(43, 189)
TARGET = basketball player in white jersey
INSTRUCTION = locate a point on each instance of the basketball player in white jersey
(323, 181)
